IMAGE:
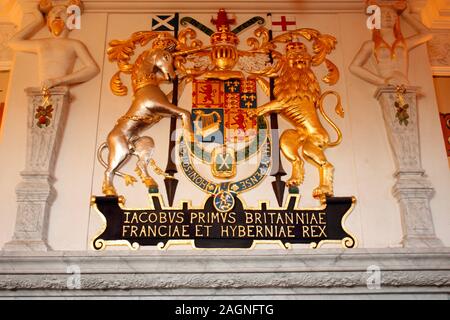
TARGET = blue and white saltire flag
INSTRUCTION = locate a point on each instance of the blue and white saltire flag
(165, 22)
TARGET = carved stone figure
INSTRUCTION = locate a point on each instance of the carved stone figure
(388, 47)
(58, 54)
(398, 101)
(47, 111)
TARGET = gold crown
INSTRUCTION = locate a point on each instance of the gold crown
(224, 37)
(165, 43)
(295, 47)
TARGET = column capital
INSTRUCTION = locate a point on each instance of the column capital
(392, 89)
(36, 91)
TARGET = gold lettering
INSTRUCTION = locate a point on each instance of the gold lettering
(250, 231)
(320, 229)
(259, 232)
(198, 230)
(289, 218)
(305, 231)
(141, 220)
(241, 231)
(224, 231)
(268, 231)
(279, 219)
(124, 230)
(134, 219)
(233, 230)
(198, 180)
(151, 231)
(291, 232)
(258, 218)
(152, 217)
(322, 218)
(282, 231)
(126, 216)
(133, 231)
(271, 214)
(142, 233)
(180, 217)
(299, 218)
(160, 233)
(193, 217)
(204, 183)
(207, 228)
(185, 231)
(313, 219)
(215, 217)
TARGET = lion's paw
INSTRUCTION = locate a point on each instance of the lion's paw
(323, 191)
(294, 182)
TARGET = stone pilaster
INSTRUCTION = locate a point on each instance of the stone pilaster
(6, 55)
(35, 193)
(439, 53)
(412, 189)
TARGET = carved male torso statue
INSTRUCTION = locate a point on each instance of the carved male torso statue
(58, 54)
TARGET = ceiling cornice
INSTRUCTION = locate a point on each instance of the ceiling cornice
(436, 14)
(199, 6)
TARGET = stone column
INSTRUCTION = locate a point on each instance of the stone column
(35, 193)
(412, 189)
(6, 54)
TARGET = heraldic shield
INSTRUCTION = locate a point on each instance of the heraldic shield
(229, 142)
(224, 133)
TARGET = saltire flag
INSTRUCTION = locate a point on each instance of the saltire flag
(165, 22)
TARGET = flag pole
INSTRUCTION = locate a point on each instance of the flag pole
(277, 168)
(171, 183)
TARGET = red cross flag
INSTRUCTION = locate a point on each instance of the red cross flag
(283, 23)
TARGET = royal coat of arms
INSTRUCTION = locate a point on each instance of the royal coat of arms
(225, 127)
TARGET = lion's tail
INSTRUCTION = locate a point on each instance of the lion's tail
(128, 178)
(339, 110)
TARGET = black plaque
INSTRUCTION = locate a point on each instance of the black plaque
(237, 228)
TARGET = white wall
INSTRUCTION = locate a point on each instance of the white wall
(364, 164)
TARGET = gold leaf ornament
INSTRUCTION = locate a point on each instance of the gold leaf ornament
(322, 46)
(117, 86)
(333, 73)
